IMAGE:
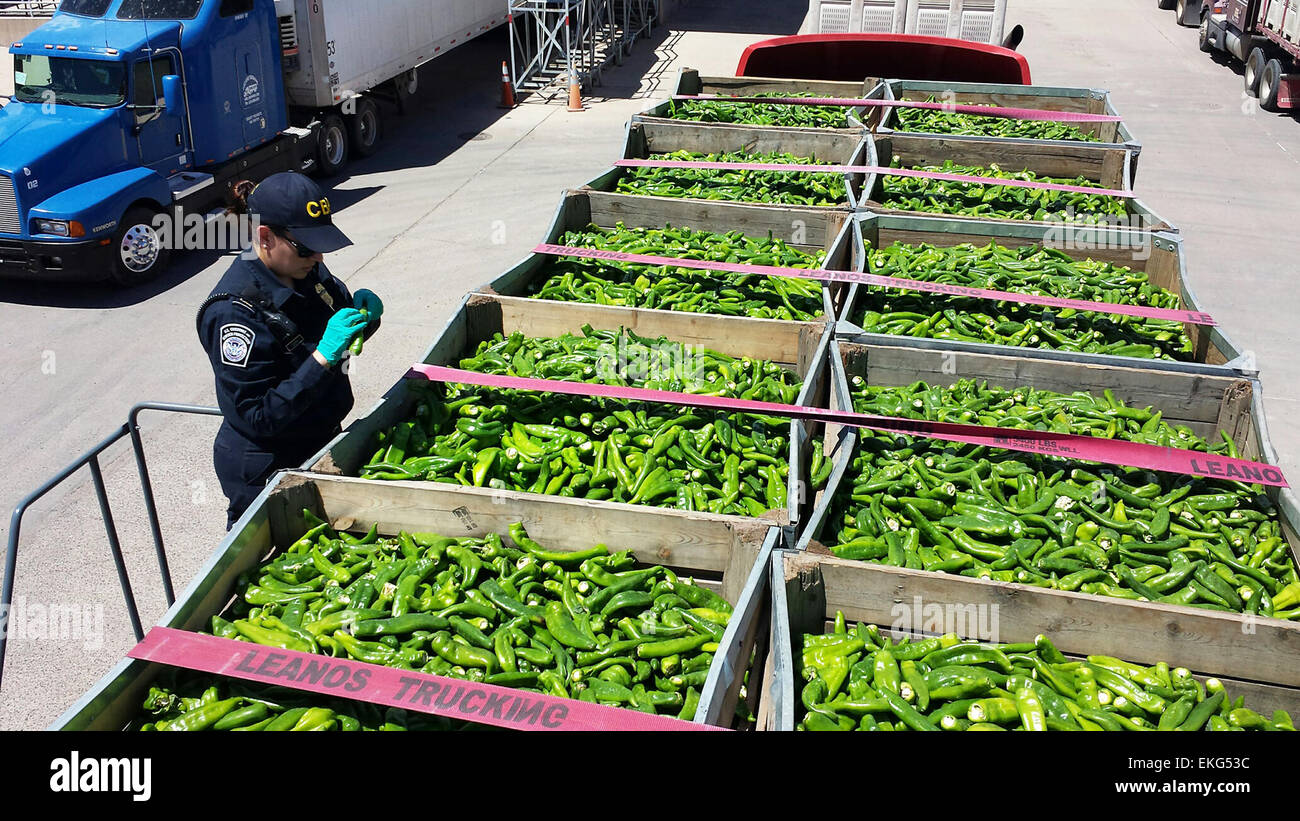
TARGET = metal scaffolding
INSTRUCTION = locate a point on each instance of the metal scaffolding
(552, 41)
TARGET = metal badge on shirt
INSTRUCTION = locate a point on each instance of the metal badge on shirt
(236, 344)
(325, 295)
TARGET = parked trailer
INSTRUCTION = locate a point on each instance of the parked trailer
(125, 111)
(1263, 34)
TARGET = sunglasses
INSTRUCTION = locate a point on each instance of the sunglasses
(303, 250)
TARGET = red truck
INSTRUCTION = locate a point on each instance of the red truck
(1263, 34)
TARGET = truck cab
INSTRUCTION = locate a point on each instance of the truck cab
(124, 112)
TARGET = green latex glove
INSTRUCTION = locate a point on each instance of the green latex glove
(369, 301)
(342, 327)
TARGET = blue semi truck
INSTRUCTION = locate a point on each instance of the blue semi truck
(131, 119)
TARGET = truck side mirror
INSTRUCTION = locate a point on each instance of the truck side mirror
(172, 95)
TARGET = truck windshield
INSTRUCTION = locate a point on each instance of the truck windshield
(68, 81)
(86, 8)
(159, 9)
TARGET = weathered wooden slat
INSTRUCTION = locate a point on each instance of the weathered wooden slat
(1045, 98)
(1158, 254)
(771, 339)
(1183, 398)
(1259, 663)
(824, 146)
(804, 228)
(746, 637)
(1101, 164)
(1116, 255)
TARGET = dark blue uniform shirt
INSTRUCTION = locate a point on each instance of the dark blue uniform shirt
(280, 406)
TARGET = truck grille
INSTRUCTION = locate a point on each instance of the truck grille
(10, 220)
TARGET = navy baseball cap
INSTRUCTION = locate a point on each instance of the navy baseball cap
(292, 201)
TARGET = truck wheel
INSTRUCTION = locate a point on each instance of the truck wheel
(1270, 80)
(139, 253)
(1180, 9)
(332, 153)
(1254, 67)
(1203, 39)
(363, 127)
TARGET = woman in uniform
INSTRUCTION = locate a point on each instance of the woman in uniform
(277, 328)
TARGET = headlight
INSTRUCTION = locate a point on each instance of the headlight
(59, 228)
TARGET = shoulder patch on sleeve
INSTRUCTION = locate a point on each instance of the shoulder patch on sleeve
(236, 344)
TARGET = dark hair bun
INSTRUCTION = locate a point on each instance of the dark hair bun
(239, 194)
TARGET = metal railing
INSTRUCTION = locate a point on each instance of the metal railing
(91, 459)
(28, 8)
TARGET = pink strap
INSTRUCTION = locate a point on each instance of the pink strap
(1044, 443)
(826, 275)
(391, 687)
(875, 169)
(957, 108)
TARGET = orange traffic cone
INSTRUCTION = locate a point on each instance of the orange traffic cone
(507, 91)
(575, 94)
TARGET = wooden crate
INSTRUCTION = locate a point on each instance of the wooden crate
(808, 590)
(1044, 98)
(723, 555)
(1108, 166)
(689, 81)
(800, 346)
(805, 229)
(1166, 265)
(1204, 403)
(646, 138)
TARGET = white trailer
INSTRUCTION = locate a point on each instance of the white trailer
(338, 55)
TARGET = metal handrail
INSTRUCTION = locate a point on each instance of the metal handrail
(91, 459)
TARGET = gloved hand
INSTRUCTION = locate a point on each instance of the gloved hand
(370, 302)
(342, 327)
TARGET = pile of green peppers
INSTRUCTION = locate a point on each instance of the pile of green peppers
(1027, 270)
(189, 703)
(861, 680)
(572, 279)
(774, 187)
(975, 402)
(931, 121)
(776, 114)
(998, 202)
(689, 459)
(1015, 517)
(588, 624)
